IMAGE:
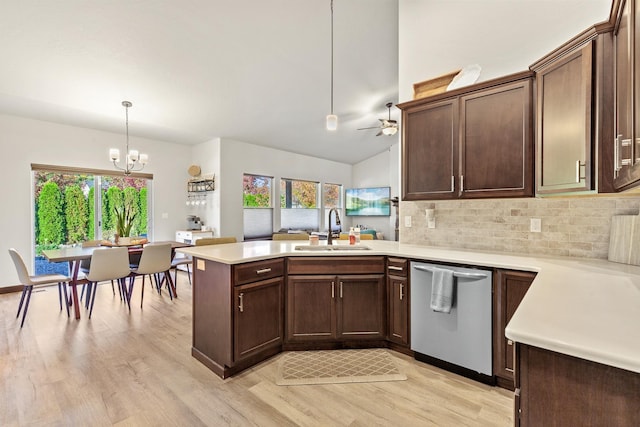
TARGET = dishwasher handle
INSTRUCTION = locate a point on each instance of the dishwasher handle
(458, 274)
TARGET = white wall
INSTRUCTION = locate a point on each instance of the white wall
(238, 158)
(381, 170)
(503, 37)
(207, 156)
(25, 141)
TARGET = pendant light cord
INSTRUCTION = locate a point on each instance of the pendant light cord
(126, 121)
(332, 57)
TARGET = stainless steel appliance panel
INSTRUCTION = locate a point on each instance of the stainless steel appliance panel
(462, 337)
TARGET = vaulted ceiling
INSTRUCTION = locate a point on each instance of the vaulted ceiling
(257, 71)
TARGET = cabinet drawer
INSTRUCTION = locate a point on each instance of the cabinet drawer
(397, 266)
(336, 265)
(253, 271)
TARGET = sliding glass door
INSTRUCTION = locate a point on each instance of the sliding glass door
(75, 206)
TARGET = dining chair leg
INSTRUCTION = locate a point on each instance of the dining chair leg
(91, 291)
(24, 292)
(156, 278)
(170, 285)
(112, 289)
(124, 289)
(188, 275)
(66, 297)
(60, 296)
(26, 304)
(87, 300)
(142, 293)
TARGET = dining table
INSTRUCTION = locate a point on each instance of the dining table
(75, 254)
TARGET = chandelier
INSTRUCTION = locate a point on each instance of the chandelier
(134, 161)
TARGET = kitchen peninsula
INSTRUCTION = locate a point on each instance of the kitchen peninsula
(586, 309)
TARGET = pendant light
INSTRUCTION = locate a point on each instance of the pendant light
(332, 119)
(134, 161)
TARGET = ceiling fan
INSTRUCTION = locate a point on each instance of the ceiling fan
(387, 126)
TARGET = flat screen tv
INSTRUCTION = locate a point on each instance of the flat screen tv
(368, 201)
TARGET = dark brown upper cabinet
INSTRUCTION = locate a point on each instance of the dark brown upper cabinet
(473, 142)
(574, 124)
(626, 158)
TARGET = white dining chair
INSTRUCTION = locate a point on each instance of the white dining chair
(155, 260)
(29, 281)
(107, 264)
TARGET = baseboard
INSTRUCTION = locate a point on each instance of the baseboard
(10, 289)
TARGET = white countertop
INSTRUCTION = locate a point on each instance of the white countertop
(586, 308)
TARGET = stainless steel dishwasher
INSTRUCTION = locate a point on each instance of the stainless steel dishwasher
(459, 341)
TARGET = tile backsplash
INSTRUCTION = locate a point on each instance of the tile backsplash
(571, 226)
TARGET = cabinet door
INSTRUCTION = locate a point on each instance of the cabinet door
(564, 108)
(361, 307)
(257, 317)
(624, 98)
(510, 288)
(311, 308)
(496, 144)
(429, 150)
(561, 390)
(398, 297)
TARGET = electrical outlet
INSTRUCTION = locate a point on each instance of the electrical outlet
(536, 225)
(165, 215)
(407, 221)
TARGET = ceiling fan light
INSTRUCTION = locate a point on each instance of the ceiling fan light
(391, 130)
(332, 122)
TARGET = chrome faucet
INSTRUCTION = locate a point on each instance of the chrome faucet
(330, 233)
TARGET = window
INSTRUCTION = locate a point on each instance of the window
(258, 209)
(299, 204)
(331, 198)
(68, 210)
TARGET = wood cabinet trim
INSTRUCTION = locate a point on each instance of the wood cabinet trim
(467, 89)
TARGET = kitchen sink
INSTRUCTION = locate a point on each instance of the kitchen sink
(325, 248)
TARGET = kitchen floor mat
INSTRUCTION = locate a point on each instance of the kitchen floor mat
(337, 366)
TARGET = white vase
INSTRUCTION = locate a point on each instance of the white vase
(122, 241)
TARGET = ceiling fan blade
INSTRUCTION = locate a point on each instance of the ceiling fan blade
(374, 127)
(379, 133)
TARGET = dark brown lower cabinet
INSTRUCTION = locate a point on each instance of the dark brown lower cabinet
(237, 313)
(361, 307)
(509, 290)
(554, 389)
(258, 317)
(311, 311)
(398, 301)
(329, 308)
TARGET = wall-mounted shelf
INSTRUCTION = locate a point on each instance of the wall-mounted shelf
(200, 185)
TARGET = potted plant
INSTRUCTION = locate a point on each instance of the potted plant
(124, 222)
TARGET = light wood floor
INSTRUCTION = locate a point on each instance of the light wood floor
(135, 369)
